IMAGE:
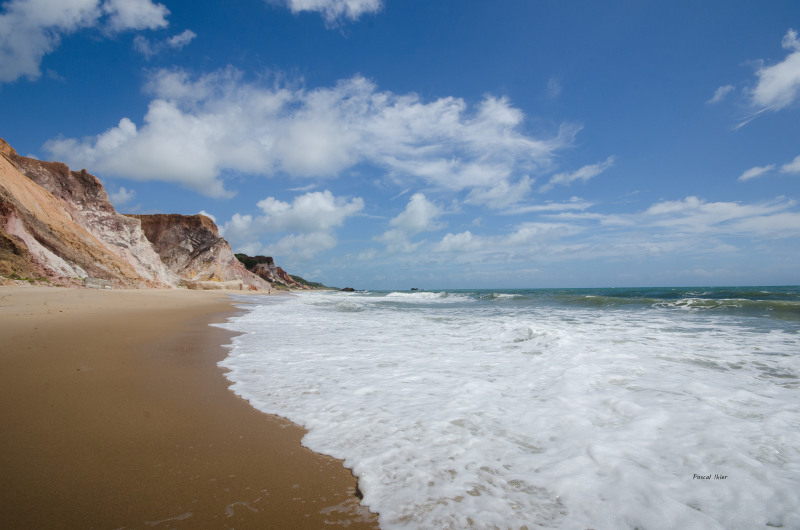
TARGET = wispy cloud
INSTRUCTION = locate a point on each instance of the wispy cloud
(690, 225)
(575, 203)
(720, 94)
(31, 29)
(757, 171)
(333, 11)
(553, 88)
(149, 48)
(583, 174)
(791, 167)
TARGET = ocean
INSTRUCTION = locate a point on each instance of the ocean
(651, 408)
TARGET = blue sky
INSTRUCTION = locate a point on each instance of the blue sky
(433, 144)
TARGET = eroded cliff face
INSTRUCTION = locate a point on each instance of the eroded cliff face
(59, 226)
(67, 235)
(191, 247)
(85, 200)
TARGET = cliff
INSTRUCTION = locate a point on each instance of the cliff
(264, 267)
(191, 247)
(59, 226)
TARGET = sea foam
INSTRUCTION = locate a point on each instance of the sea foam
(459, 411)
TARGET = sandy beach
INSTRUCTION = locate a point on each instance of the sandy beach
(115, 414)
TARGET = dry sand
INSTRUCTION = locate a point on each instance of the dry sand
(113, 414)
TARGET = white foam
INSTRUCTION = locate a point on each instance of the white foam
(488, 414)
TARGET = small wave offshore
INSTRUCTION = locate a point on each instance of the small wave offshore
(541, 408)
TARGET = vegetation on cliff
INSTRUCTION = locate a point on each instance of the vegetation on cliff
(264, 266)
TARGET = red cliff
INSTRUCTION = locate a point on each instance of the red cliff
(191, 247)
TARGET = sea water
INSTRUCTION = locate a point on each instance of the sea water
(573, 409)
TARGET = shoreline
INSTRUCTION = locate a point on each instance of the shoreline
(116, 415)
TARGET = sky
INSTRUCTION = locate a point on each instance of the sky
(390, 144)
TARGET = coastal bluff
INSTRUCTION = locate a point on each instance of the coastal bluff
(264, 267)
(59, 227)
(191, 247)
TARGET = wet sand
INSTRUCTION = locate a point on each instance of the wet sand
(114, 414)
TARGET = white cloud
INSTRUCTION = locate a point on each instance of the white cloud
(791, 167)
(196, 129)
(720, 94)
(301, 247)
(575, 203)
(122, 195)
(779, 85)
(203, 212)
(150, 48)
(585, 173)
(398, 241)
(690, 226)
(311, 218)
(756, 171)
(176, 42)
(696, 216)
(312, 212)
(502, 195)
(529, 233)
(463, 242)
(420, 215)
(33, 28)
(334, 11)
(134, 14)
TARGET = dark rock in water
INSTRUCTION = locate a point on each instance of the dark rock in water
(348, 290)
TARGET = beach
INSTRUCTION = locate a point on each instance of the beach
(115, 414)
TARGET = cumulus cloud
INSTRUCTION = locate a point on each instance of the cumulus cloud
(584, 174)
(198, 128)
(121, 196)
(333, 11)
(310, 220)
(31, 29)
(149, 48)
(419, 215)
(301, 247)
(778, 85)
(134, 14)
(720, 94)
(313, 212)
(463, 242)
(756, 171)
(203, 212)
